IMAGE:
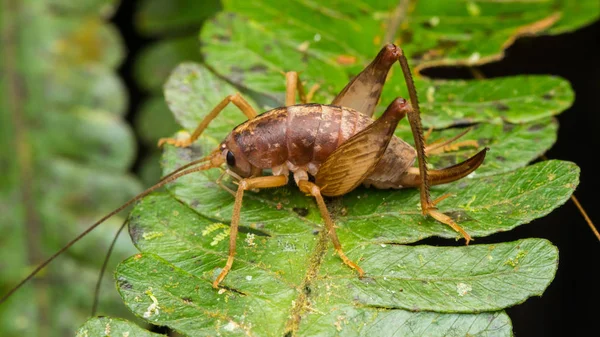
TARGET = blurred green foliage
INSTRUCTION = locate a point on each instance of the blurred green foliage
(66, 152)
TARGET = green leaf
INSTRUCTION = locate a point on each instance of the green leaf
(270, 278)
(65, 154)
(286, 279)
(107, 326)
(243, 47)
(282, 245)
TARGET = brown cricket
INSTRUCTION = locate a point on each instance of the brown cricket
(338, 144)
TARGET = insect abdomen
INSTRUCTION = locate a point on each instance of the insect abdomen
(299, 134)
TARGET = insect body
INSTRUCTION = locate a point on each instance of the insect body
(300, 138)
(329, 149)
(340, 145)
(297, 138)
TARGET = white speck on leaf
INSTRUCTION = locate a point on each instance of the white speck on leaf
(434, 21)
(221, 291)
(230, 326)
(249, 278)
(107, 329)
(474, 58)
(463, 289)
(250, 240)
(153, 308)
(317, 37)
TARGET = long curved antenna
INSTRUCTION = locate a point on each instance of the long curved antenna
(585, 216)
(215, 162)
(103, 269)
(582, 211)
(192, 163)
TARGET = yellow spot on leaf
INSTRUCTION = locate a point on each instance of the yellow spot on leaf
(515, 262)
(303, 46)
(152, 235)
(473, 8)
(430, 93)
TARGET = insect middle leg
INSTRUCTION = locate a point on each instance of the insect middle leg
(244, 185)
(314, 190)
(236, 99)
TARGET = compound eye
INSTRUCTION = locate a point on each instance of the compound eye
(230, 159)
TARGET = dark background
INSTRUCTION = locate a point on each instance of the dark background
(570, 304)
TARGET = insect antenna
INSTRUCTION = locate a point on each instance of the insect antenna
(215, 161)
(103, 269)
(587, 219)
(192, 163)
(585, 216)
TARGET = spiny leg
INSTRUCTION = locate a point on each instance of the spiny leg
(293, 84)
(243, 185)
(236, 99)
(414, 118)
(314, 190)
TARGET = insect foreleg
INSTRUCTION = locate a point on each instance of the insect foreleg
(314, 190)
(236, 99)
(244, 185)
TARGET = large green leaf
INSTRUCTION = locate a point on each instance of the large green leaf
(331, 42)
(284, 265)
(286, 279)
(65, 153)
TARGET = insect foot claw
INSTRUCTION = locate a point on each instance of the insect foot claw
(443, 218)
(182, 139)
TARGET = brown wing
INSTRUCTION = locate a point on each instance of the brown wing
(357, 157)
(363, 92)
